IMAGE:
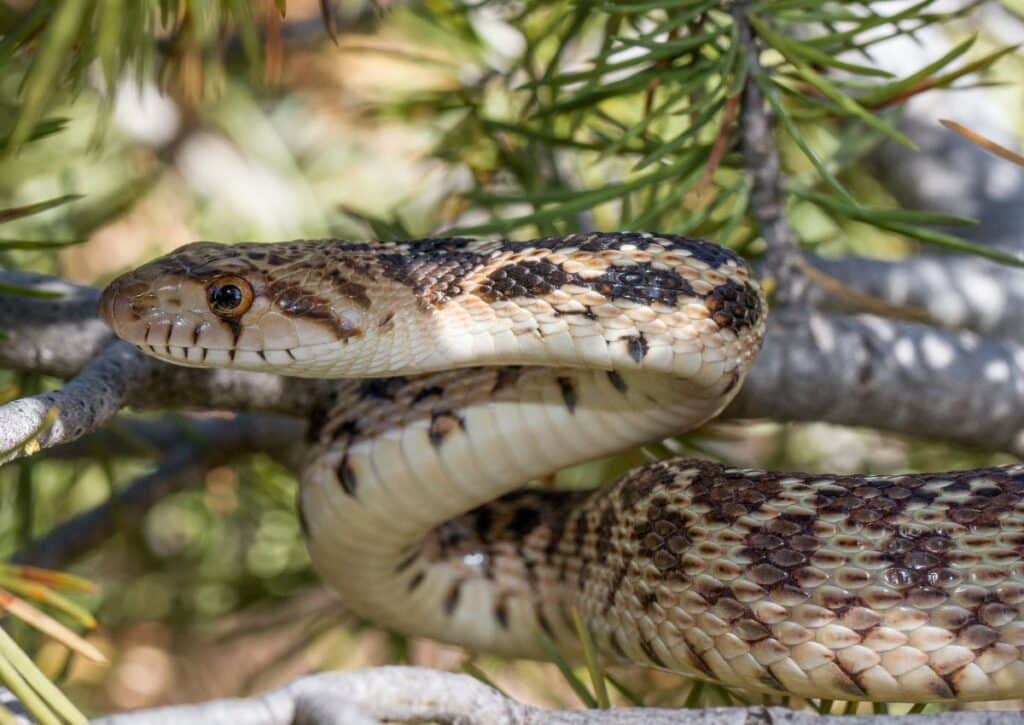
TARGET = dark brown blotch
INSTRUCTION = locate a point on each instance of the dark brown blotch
(442, 424)
(432, 268)
(296, 301)
(383, 388)
(734, 306)
(568, 390)
(637, 347)
(348, 289)
(617, 382)
(507, 376)
(501, 612)
(347, 477)
(642, 283)
(452, 596)
(528, 278)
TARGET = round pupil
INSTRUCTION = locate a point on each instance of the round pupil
(226, 297)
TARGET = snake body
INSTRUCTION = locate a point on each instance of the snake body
(472, 367)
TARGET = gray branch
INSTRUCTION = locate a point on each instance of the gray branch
(49, 336)
(128, 436)
(957, 292)
(414, 694)
(86, 402)
(122, 376)
(901, 377)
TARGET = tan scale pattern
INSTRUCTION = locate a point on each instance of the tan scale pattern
(897, 588)
(860, 587)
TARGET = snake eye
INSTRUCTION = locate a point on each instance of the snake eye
(229, 296)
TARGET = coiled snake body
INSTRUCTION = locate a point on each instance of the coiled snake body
(522, 358)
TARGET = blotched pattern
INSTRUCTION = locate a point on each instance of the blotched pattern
(494, 363)
(854, 587)
(332, 309)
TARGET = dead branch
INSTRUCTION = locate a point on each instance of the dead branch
(415, 694)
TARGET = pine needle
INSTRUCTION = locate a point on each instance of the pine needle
(49, 626)
(984, 142)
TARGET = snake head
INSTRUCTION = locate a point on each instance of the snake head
(246, 306)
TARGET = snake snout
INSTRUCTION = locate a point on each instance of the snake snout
(107, 301)
(153, 313)
(116, 308)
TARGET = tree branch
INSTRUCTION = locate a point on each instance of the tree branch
(415, 694)
(85, 403)
(121, 376)
(134, 437)
(49, 336)
(960, 292)
(761, 162)
(901, 377)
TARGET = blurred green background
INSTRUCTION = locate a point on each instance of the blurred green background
(229, 122)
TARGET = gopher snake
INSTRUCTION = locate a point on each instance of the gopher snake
(523, 358)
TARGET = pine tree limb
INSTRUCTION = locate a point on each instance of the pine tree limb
(761, 161)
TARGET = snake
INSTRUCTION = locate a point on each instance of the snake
(464, 370)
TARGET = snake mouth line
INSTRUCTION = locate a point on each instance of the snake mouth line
(187, 354)
(186, 357)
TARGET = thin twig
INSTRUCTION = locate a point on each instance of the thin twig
(761, 161)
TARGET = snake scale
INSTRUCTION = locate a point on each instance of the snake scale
(473, 367)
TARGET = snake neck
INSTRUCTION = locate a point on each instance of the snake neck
(393, 500)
